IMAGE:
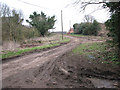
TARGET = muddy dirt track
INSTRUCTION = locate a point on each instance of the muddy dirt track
(54, 68)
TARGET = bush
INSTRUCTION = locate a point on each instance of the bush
(87, 28)
(77, 28)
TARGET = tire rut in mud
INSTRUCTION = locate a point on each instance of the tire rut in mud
(76, 72)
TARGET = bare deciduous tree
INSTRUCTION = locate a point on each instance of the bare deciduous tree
(4, 10)
(11, 22)
(88, 18)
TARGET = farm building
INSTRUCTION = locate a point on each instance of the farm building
(71, 31)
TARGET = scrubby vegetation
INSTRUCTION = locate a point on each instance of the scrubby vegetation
(12, 28)
(87, 28)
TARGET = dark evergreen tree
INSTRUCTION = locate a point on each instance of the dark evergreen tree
(41, 22)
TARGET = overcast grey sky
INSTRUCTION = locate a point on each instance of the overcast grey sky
(54, 7)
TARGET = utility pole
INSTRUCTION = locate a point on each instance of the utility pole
(70, 23)
(62, 24)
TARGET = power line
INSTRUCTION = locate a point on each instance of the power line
(62, 24)
(32, 4)
(38, 5)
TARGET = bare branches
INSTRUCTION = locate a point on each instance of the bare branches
(11, 22)
(84, 3)
(4, 10)
(89, 18)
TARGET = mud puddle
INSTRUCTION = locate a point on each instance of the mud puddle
(102, 83)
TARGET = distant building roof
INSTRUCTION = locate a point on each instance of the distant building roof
(71, 31)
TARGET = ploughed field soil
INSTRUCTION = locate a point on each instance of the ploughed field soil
(59, 68)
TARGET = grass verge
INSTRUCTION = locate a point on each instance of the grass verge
(65, 39)
(10, 54)
(103, 52)
(88, 36)
(78, 35)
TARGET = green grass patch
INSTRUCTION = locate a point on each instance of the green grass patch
(79, 35)
(19, 52)
(9, 54)
(99, 51)
(89, 48)
(65, 40)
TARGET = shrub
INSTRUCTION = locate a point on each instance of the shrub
(87, 28)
